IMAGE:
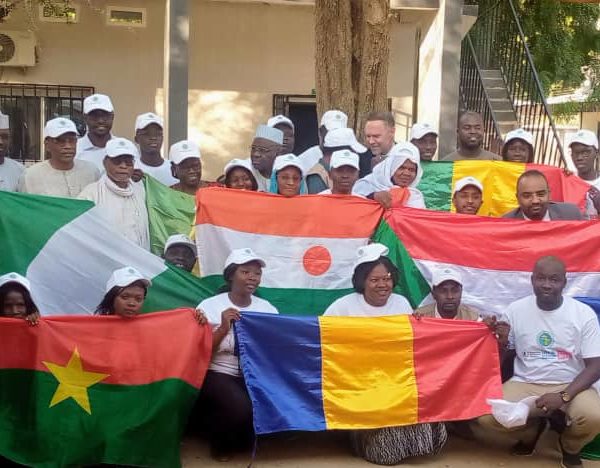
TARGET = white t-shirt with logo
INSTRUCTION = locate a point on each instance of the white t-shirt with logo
(224, 360)
(354, 304)
(161, 173)
(551, 345)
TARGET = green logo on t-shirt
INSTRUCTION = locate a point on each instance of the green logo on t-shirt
(545, 339)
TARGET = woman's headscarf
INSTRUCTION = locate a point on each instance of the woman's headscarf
(287, 160)
(381, 177)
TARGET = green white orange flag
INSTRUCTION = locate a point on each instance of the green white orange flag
(81, 390)
(309, 242)
(68, 253)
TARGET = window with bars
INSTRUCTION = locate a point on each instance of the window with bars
(29, 106)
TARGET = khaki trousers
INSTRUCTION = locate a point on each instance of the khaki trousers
(583, 412)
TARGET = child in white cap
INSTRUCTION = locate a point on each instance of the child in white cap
(15, 298)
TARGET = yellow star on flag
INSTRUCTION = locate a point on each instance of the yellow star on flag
(73, 381)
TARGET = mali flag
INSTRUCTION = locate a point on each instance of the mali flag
(318, 373)
(83, 390)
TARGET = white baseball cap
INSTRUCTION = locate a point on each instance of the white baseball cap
(179, 239)
(97, 101)
(419, 130)
(183, 150)
(143, 120)
(287, 160)
(15, 278)
(4, 121)
(280, 120)
(59, 126)
(445, 274)
(243, 256)
(120, 147)
(520, 134)
(333, 119)
(370, 253)
(466, 181)
(343, 137)
(245, 163)
(123, 277)
(585, 137)
(344, 158)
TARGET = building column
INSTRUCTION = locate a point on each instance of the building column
(175, 83)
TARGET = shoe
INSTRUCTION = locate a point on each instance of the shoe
(569, 460)
(526, 449)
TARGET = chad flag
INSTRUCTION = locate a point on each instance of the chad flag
(318, 373)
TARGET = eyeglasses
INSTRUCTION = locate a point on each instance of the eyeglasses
(261, 150)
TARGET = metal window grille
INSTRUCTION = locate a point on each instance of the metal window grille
(29, 106)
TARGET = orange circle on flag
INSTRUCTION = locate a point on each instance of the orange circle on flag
(316, 260)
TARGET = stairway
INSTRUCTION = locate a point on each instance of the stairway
(500, 102)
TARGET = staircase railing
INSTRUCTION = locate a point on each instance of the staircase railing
(473, 94)
(499, 43)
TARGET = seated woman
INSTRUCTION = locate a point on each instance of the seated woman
(401, 168)
(238, 175)
(120, 201)
(15, 298)
(518, 146)
(288, 176)
(374, 279)
(126, 291)
(224, 398)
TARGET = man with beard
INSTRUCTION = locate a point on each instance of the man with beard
(10, 170)
(447, 292)
(470, 140)
(61, 175)
(266, 146)
(149, 137)
(98, 116)
(584, 153)
(533, 195)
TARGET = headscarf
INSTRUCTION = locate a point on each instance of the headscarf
(287, 160)
(381, 177)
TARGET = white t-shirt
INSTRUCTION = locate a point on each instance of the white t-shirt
(87, 151)
(551, 345)
(161, 173)
(10, 172)
(354, 304)
(223, 359)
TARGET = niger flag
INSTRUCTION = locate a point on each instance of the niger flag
(83, 390)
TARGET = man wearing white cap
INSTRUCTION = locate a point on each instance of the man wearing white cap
(380, 131)
(468, 195)
(10, 170)
(424, 137)
(98, 114)
(62, 175)
(330, 120)
(149, 137)
(121, 202)
(344, 172)
(265, 147)
(337, 139)
(446, 289)
(285, 124)
(584, 153)
(180, 251)
(186, 167)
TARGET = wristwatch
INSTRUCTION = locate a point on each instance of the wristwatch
(566, 398)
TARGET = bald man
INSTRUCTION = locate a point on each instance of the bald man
(555, 343)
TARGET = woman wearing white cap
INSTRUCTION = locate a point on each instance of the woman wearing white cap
(518, 146)
(401, 168)
(288, 176)
(374, 279)
(120, 201)
(126, 291)
(238, 175)
(15, 298)
(224, 397)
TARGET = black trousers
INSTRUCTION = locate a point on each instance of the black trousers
(227, 408)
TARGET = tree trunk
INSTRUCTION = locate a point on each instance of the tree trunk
(351, 57)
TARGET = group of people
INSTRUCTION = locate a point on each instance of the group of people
(558, 368)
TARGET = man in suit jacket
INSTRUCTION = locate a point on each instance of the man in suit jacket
(447, 292)
(533, 195)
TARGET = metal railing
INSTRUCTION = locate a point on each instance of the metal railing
(499, 43)
(473, 94)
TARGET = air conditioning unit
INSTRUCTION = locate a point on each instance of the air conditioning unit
(17, 48)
